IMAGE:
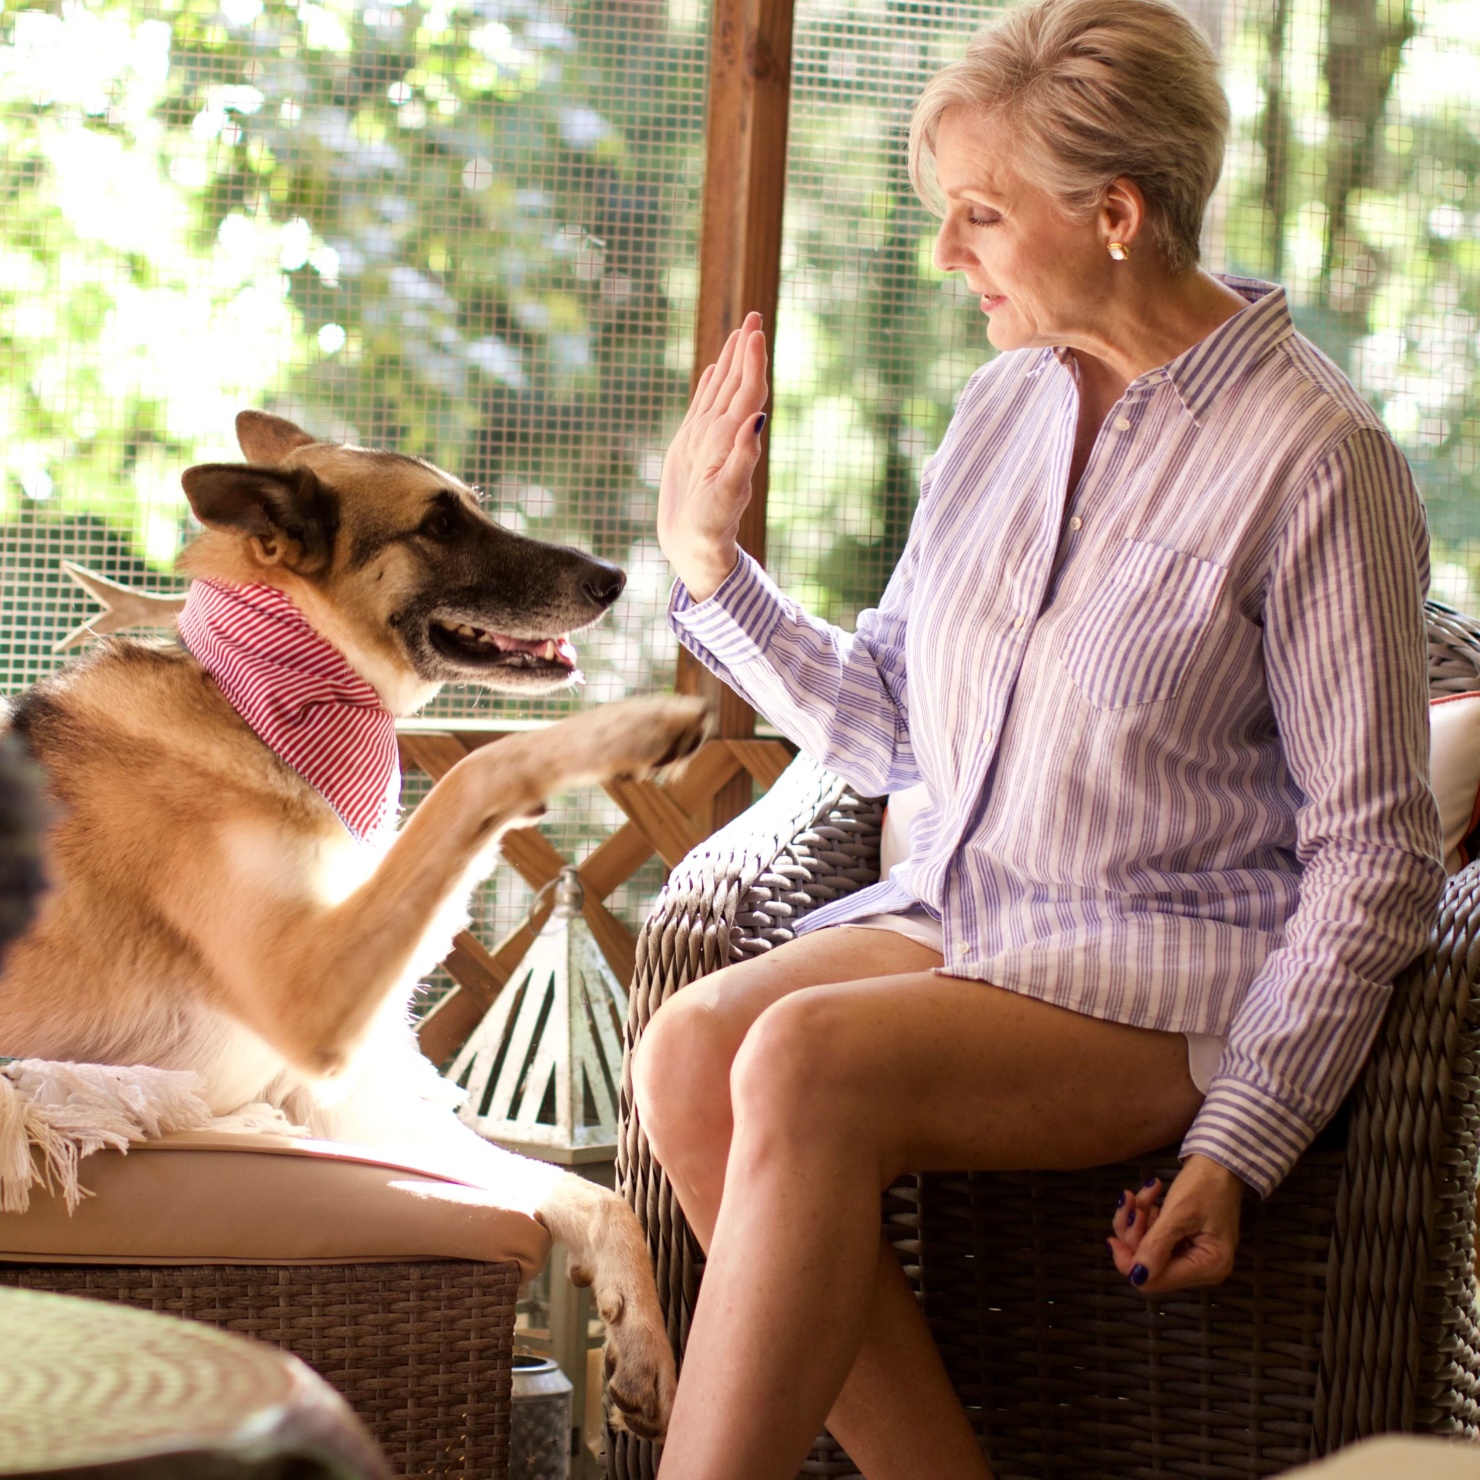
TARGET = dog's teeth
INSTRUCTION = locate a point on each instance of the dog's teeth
(549, 653)
(467, 631)
(485, 639)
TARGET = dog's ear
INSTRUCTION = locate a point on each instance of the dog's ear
(265, 438)
(285, 515)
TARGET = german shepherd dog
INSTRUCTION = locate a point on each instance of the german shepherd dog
(209, 911)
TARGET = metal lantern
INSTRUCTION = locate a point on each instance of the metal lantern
(539, 1424)
(542, 1069)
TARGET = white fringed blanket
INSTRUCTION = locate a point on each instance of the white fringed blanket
(52, 1115)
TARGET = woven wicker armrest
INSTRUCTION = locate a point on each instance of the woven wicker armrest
(1401, 1339)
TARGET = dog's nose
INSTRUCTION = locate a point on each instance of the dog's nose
(604, 584)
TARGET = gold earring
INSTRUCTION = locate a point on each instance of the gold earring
(1119, 251)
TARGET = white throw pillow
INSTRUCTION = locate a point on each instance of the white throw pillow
(899, 818)
(1454, 763)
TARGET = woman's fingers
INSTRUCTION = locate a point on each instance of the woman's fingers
(753, 388)
(1185, 1240)
(697, 399)
(1135, 1213)
(734, 478)
(717, 373)
(1173, 1259)
(729, 368)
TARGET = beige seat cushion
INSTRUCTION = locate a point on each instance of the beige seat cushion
(1397, 1457)
(201, 1197)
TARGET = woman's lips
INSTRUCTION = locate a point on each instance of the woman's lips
(991, 302)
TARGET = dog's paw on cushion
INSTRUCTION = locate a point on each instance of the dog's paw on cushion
(1454, 765)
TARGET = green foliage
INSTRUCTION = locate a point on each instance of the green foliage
(1363, 196)
(449, 228)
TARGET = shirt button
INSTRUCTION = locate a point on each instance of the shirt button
(1076, 522)
(1122, 424)
(961, 950)
(987, 738)
(1019, 621)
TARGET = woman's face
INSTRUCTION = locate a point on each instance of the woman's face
(1040, 273)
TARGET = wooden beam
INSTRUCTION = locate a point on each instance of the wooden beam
(740, 262)
(666, 824)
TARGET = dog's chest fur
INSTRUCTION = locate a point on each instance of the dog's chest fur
(153, 774)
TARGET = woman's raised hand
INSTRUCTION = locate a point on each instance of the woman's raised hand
(706, 474)
(1184, 1241)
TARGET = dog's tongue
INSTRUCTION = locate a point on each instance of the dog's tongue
(565, 652)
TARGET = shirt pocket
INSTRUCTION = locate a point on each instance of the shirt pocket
(1135, 636)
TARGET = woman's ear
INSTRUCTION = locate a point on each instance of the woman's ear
(1122, 214)
(283, 516)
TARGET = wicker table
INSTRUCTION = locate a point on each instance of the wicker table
(101, 1389)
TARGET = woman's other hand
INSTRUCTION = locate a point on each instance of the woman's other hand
(1187, 1239)
(706, 474)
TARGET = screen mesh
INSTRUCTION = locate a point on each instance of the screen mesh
(464, 229)
(1351, 177)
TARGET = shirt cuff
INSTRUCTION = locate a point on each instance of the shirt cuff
(734, 625)
(1250, 1132)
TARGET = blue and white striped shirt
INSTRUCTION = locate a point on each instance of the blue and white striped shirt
(1173, 725)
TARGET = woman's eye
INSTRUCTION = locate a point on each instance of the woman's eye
(984, 220)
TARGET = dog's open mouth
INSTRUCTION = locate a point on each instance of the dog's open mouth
(482, 648)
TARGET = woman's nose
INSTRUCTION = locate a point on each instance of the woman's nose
(947, 256)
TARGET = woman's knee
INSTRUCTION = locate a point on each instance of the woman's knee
(794, 1068)
(680, 1078)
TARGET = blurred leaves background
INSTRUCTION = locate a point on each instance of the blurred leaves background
(461, 230)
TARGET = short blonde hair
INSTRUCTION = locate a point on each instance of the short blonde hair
(1093, 90)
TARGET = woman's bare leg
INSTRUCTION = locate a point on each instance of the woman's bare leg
(841, 1084)
(897, 1413)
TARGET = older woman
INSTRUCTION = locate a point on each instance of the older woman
(1155, 646)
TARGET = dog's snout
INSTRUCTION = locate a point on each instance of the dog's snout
(604, 584)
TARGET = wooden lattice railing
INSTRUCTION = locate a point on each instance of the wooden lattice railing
(664, 817)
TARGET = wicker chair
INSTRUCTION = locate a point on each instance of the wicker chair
(1352, 1311)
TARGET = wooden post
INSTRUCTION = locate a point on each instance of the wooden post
(740, 262)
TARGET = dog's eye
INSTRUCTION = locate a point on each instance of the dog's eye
(438, 525)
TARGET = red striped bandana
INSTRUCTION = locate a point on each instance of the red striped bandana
(300, 698)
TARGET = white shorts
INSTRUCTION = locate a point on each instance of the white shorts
(1204, 1050)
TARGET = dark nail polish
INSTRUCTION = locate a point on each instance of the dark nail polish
(1130, 1222)
(1120, 1201)
(760, 423)
(1140, 1274)
(1149, 1182)
(1110, 1249)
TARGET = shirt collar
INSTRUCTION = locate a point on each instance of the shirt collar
(1200, 375)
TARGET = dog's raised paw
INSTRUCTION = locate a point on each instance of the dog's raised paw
(648, 734)
(627, 740)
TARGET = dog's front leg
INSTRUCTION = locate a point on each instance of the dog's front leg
(609, 1253)
(607, 1248)
(311, 977)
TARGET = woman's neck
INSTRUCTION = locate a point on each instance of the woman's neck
(1152, 321)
